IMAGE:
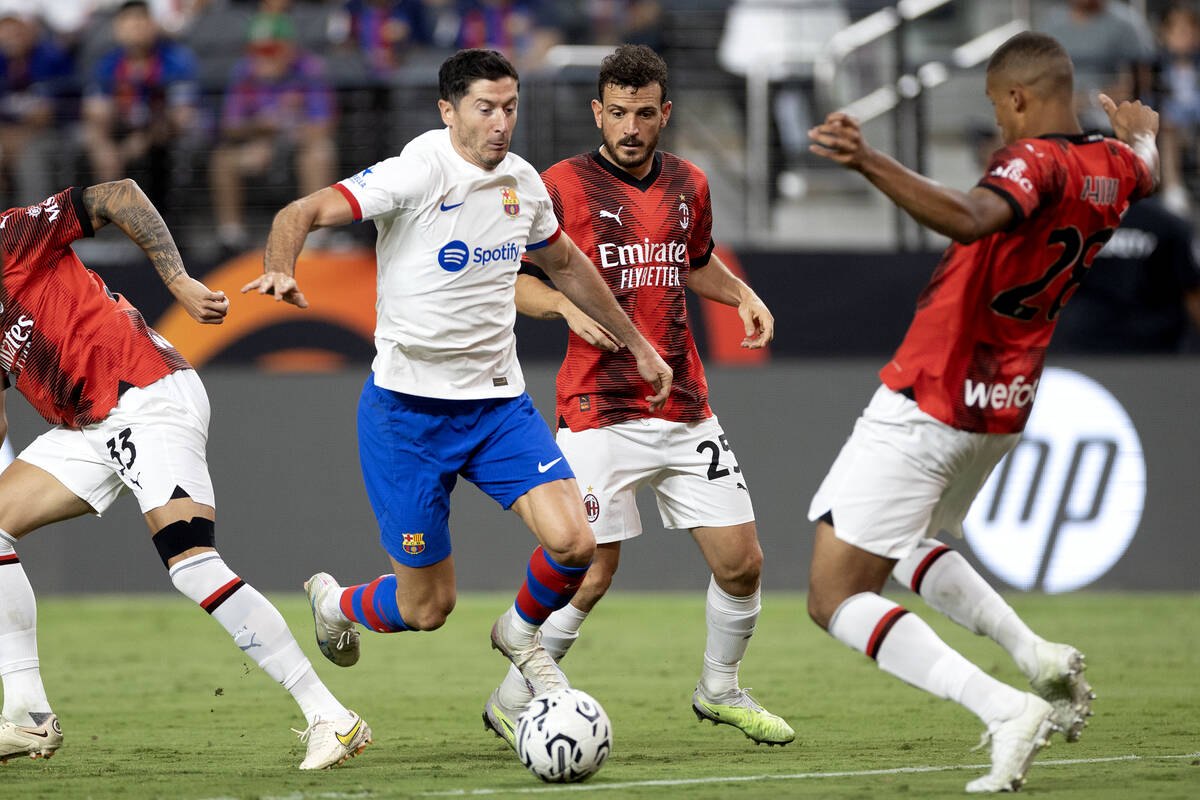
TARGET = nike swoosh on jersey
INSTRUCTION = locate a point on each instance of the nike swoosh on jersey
(348, 736)
(543, 467)
(445, 207)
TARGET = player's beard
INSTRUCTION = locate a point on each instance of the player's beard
(631, 162)
(491, 158)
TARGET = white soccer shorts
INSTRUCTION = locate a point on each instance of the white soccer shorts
(903, 476)
(689, 466)
(153, 441)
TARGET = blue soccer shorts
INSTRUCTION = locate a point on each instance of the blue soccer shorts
(413, 449)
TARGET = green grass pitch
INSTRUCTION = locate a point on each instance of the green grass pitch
(156, 702)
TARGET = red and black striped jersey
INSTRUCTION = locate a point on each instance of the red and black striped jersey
(974, 352)
(644, 236)
(66, 342)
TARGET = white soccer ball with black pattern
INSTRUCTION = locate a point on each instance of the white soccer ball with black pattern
(563, 736)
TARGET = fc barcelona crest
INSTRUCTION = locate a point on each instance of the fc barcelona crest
(414, 543)
(512, 206)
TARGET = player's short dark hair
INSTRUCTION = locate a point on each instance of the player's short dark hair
(1034, 58)
(633, 66)
(129, 5)
(460, 70)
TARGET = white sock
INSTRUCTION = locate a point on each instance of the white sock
(559, 632)
(950, 585)
(905, 646)
(257, 629)
(25, 700)
(522, 631)
(731, 623)
(561, 629)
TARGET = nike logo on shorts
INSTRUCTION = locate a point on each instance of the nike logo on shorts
(445, 207)
(543, 467)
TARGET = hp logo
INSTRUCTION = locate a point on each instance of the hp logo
(1061, 509)
(453, 256)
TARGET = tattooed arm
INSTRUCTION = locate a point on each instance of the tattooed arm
(124, 204)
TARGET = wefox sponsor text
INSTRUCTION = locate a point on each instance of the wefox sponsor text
(999, 395)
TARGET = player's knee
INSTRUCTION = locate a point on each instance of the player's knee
(183, 536)
(428, 616)
(575, 549)
(739, 574)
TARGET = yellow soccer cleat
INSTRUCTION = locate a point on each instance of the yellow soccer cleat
(501, 720)
(742, 712)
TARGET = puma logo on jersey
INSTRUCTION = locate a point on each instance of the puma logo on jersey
(611, 215)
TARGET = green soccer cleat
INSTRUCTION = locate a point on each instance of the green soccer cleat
(742, 712)
(500, 720)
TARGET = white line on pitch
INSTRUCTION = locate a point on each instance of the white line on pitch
(596, 787)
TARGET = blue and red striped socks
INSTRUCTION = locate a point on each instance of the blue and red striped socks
(374, 605)
(548, 587)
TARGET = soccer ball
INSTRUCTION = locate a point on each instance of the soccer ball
(563, 736)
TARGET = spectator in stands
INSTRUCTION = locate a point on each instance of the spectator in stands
(608, 22)
(1178, 74)
(384, 31)
(33, 71)
(1112, 49)
(278, 106)
(523, 30)
(139, 104)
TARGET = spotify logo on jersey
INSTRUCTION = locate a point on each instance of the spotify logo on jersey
(453, 256)
(1061, 509)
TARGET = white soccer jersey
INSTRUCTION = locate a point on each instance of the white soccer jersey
(450, 239)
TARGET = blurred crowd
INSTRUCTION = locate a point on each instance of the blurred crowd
(92, 90)
(197, 99)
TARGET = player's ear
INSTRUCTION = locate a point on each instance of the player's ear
(447, 110)
(1018, 96)
(597, 111)
(666, 114)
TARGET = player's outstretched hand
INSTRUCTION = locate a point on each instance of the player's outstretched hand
(1130, 120)
(760, 324)
(282, 286)
(591, 331)
(839, 138)
(655, 372)
(201, 303)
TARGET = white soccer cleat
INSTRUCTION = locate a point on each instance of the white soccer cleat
(501, 720)
(538, 668)
(1060, 682)
(1015, 742)
(40, 741)
(336, 636)
(330, 742)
